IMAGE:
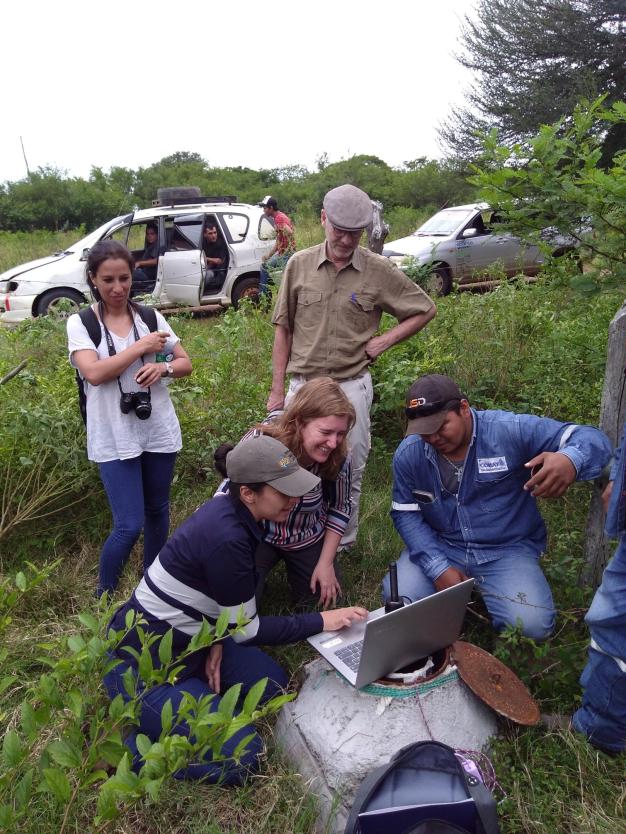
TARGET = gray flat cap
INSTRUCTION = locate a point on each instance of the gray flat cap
(348, 208)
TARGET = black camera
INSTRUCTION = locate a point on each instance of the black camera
(139, 401)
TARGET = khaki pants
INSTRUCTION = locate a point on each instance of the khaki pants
(359, 392)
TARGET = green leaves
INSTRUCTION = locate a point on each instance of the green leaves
(65, 754)
(56, 782)
(12, 751)
(254, 696)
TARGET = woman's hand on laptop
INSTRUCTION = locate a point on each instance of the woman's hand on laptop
(450, 577)
(342, 617)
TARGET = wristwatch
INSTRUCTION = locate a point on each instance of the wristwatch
(169, 371)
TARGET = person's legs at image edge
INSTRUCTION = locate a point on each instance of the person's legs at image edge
(122, 482)
(606, 617)
(602, 715)
(157, 471)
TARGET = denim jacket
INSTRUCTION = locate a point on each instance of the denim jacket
(616, 515)
(491, 513)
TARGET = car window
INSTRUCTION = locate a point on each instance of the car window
(120, 235)
(445, 222)
(235, 226)
(184, 231)
(266, 230)
(137, 237)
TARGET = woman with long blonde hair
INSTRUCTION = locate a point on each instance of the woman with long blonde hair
(314, 427)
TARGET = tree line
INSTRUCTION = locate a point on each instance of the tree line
(50, 199)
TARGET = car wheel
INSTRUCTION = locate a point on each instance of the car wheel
(439, 282)
(246, 288)
(60, 303)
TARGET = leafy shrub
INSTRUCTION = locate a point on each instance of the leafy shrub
(65, 742)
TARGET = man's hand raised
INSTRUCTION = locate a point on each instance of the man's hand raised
(551, 474)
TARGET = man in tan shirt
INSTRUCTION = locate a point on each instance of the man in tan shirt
(328, 310)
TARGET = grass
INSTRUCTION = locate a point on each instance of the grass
(19, 247)
(536, 349)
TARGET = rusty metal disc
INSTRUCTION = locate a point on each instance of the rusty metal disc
(495, 684)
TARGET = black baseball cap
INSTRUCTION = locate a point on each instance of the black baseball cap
(269, 202)
(428, 401)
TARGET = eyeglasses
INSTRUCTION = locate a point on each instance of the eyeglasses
(356, 235)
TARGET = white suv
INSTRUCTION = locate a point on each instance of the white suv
(60, 280)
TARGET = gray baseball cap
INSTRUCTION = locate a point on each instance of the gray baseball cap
(264, 460)
(348, 208)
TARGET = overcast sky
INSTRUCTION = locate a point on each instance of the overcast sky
(243, 82)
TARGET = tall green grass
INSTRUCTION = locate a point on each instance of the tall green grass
(539, 349)
(19, 247)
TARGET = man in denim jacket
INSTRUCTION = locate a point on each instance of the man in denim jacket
(602, 715)
(464, 499)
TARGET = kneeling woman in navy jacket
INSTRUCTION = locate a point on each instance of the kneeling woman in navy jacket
(207, 567)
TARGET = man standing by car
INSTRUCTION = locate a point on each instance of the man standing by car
(465, 485)
(285, 244)
(215, 253)
(329, 307)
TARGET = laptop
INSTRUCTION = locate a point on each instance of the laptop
(384, 643)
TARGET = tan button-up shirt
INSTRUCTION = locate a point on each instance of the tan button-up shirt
(333, 315)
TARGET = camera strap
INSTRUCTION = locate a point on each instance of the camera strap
(109, 338)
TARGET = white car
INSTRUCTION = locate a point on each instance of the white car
(460, 243)
(60, 280)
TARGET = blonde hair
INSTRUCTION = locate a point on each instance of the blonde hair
(321, 397)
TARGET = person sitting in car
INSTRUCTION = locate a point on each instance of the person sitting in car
(145, 272)
(216, 254)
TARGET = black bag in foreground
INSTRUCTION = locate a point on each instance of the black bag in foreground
(423, 790)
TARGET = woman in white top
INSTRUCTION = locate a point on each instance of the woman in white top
(132, 429)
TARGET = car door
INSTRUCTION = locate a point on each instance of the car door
(183, 260)
(235, 226)
(490, 246)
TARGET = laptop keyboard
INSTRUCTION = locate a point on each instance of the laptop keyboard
(351, 655)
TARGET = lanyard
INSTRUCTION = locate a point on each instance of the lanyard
(109, 338)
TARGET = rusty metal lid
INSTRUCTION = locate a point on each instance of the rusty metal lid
(495, 684)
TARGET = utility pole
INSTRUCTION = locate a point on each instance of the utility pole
(25, 160)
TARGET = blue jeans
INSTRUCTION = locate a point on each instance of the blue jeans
(240, 664)
(275, 262)
(138, 490)
(513, 587)
(602, 715)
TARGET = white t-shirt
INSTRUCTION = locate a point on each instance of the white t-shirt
(112, 435)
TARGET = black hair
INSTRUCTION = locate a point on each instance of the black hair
(153, 226)
(103, 251)
(219, 460)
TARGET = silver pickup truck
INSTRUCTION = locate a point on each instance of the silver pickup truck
(462, 242)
